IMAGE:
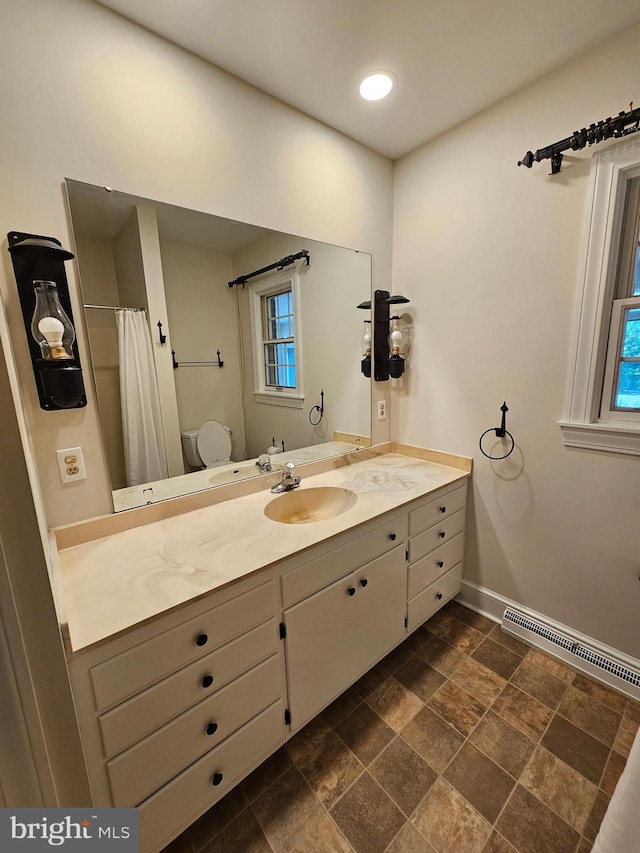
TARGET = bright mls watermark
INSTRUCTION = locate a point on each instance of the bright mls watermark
(79, 830)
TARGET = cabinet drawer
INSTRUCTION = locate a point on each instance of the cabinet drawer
(429, 568)
(437, 510)
(434, 597)
(441, 532)
(192, 792)
(323, 571)
(130, 672)
(143, 769)
(146, 712)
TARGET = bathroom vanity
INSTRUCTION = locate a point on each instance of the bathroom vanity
(197, 645)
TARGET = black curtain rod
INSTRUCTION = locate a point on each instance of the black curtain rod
(278, 265)
(606, 129)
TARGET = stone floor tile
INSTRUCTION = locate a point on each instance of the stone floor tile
(243, 835)
(612, 772)
(449, 822)
(420, 678)
(370, 680)
(589, 714)
(480, 781)
(409, 840)
(567, 792)
(576, 748)
(497, 658)
(498, 635)
(632, 711)
(475, 620)
(506, 745)
(532, 827)
(457, 707)
(625, 736)
(596, 815)
(539, 683)
(498, 844)
(400, 655)
(403, 774)
(552, 665)
(341, 707)
(616, 701)
(367, 816)
(523, 711)
(266, 774)
(286, 810)
(365, 733)
(440, 655)
(323, 837)
(481, 682)
(462, 637)
(393, 703)
(434, 739)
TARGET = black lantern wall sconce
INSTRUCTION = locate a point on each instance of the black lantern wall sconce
(386, 339)
(38, 264)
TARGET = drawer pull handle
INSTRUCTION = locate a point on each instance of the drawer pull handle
(364, 582)
(438, 595)
(202, 640)
(443, 509)
(352, 590)
(440, 564)
(207, 681)
(212, 728)
(217, 778)
(442, 534)
(392, 536)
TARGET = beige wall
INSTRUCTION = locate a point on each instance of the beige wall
(104, 101)
(488, 253)
(201, 312)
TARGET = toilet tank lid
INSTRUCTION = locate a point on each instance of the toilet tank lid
(214, 442)
(189, 433)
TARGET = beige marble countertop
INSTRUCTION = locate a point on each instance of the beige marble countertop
(109, 585)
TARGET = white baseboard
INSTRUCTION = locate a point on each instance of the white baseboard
(493, 605)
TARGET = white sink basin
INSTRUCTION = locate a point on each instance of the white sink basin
(301, 506)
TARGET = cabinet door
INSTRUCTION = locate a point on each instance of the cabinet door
(337, 634)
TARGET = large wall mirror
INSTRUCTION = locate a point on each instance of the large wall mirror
(239, 377)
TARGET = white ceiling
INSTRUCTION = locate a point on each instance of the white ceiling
(452, 58)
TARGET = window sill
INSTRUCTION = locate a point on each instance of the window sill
(279, 398)
(612, 438)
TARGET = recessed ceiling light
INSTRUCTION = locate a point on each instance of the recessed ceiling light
(377, 85)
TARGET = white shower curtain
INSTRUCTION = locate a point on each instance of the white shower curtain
(144, 453)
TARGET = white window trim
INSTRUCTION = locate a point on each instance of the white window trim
(262, 393)
(582, 426)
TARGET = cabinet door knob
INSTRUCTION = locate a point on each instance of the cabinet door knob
(212, 728)
(392, 536)
(352, 590)
(202, 640)
(438, 595)
(440, 564)
(207, 681)
(217, 778)
(443, 509)
(364, 582)
(442, 534)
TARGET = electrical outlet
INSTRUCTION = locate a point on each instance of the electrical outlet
(382, 410)
(71, 464)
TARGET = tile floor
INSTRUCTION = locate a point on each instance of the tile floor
(462, 740)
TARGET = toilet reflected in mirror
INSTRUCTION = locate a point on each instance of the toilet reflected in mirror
(207, 447)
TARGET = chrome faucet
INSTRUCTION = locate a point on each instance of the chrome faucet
(289, 480)
(263, 463)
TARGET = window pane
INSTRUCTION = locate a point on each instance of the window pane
(631, 334)
(628, 391)
(636, 274)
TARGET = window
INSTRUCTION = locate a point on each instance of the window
(274, 304)
(604, 401)
(278, 344)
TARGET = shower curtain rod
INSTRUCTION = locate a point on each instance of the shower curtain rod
(113, 307)
(278, 265)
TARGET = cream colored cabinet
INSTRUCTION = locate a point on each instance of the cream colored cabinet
(435, 552)
(176, 711)
(334, 636)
